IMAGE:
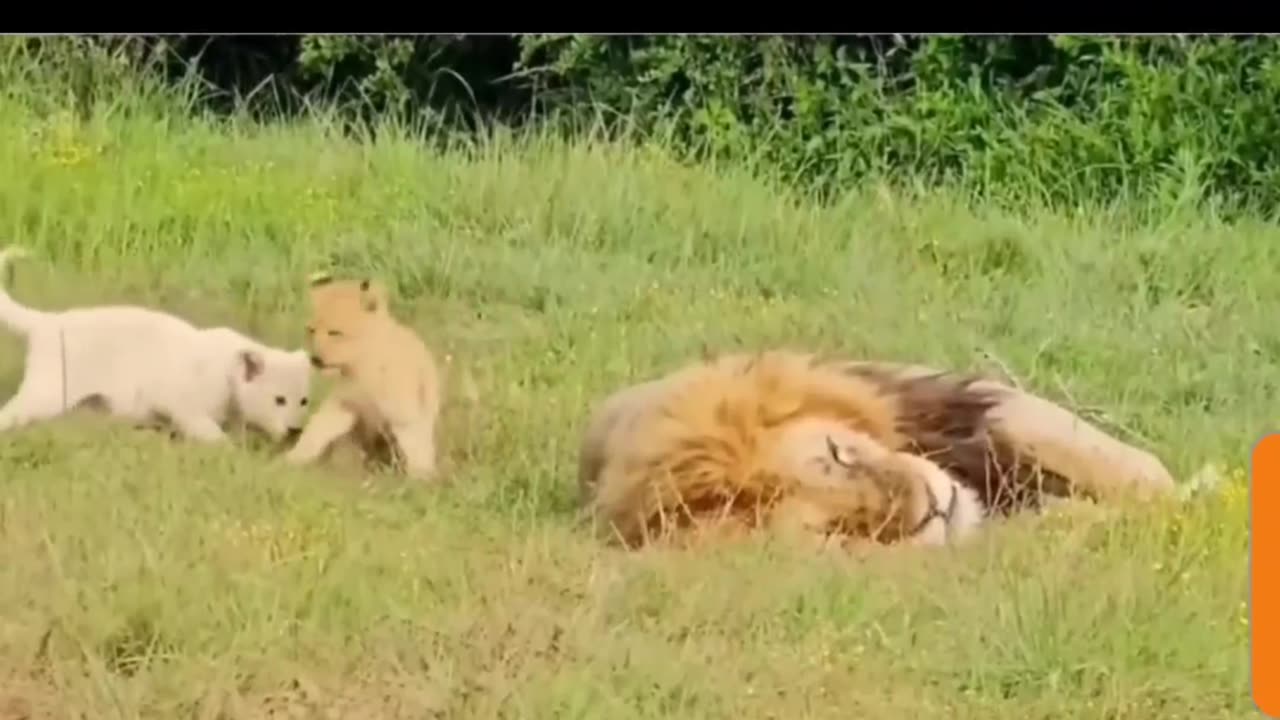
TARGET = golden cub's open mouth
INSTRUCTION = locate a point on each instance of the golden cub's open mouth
(324, 369)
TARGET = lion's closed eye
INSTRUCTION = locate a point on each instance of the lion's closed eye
(841, 455)
(335, 333)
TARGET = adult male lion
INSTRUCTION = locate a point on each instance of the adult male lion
(859, 450)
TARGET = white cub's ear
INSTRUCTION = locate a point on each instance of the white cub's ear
(252, 363)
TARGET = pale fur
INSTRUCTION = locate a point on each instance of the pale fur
(149, 367)
(388, 381)
(758, 426)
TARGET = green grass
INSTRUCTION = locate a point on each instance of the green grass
(145, 578)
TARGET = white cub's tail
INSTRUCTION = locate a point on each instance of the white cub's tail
(13, 315)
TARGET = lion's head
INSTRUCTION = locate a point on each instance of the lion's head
(342, 311)
(843, 482)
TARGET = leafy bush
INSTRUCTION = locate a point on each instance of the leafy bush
(1061, 119)
(1172, 120)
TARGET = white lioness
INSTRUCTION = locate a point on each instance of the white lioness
(388, 393)
(149, 367)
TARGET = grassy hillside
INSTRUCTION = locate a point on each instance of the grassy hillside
(143, 578)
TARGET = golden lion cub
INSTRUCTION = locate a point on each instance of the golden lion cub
(389, 381)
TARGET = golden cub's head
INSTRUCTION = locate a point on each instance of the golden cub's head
(342, 312)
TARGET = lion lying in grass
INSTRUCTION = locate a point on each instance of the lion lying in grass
(388, 394)
(846, 450)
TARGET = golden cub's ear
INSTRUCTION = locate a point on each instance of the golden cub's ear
(373, 296)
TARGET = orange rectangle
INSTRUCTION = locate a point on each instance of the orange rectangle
(1264, 575)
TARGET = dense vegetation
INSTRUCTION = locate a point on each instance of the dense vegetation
(552, 260)
(1167, 120)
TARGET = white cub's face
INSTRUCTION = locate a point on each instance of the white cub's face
(273, 391)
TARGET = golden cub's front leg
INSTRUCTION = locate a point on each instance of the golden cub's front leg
(331, 421)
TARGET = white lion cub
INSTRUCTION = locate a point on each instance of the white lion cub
(146, 366)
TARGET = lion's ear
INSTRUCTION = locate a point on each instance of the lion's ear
(373, 297)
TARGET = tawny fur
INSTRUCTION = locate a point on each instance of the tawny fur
(387, 397)
(743, 438)
(151, 368)
(1074, 455)
(844, 484)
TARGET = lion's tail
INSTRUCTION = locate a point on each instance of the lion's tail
(17, 317)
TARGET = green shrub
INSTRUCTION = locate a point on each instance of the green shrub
(1055, 119)
(1169, 121)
